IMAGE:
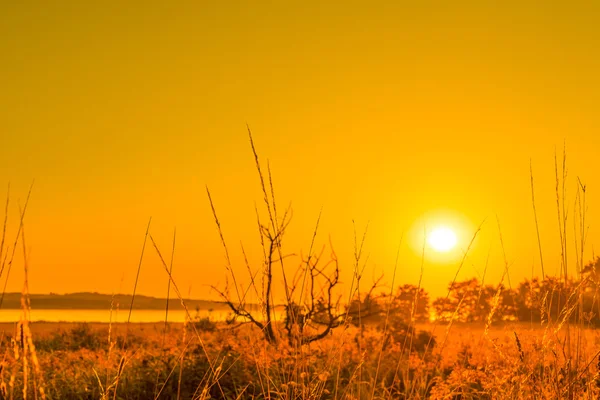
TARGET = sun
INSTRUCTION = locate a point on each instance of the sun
(442, 239)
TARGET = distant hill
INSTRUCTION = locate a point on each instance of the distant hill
(98, 301)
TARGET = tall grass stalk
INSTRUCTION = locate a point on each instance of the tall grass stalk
(15, 244)
(124, 346)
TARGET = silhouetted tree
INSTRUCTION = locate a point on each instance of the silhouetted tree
(311, 309)
(468, 301)
(461, 304)
(408, 302)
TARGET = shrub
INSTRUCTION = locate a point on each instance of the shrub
(205, 324)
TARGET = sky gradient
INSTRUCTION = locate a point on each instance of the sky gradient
(391, 114)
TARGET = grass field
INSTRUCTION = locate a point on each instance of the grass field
(205, 360)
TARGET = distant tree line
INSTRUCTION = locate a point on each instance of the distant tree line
(537, 300)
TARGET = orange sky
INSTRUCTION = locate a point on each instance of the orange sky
(388, 113)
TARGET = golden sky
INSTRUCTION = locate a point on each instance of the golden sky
(387, 113)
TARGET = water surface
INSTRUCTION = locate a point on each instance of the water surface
(106, 316)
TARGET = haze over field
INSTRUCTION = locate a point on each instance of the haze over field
(400, 117)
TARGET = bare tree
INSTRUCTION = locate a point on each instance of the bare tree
(311, 309)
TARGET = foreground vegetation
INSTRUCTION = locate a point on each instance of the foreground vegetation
(470, 361)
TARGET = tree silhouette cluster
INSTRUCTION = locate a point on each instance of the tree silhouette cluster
(537, 300)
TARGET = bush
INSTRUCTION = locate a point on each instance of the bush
(81, 336)
(205, 324)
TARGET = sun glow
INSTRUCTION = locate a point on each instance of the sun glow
(442, 239)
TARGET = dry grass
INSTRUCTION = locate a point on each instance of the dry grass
(506, 362)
